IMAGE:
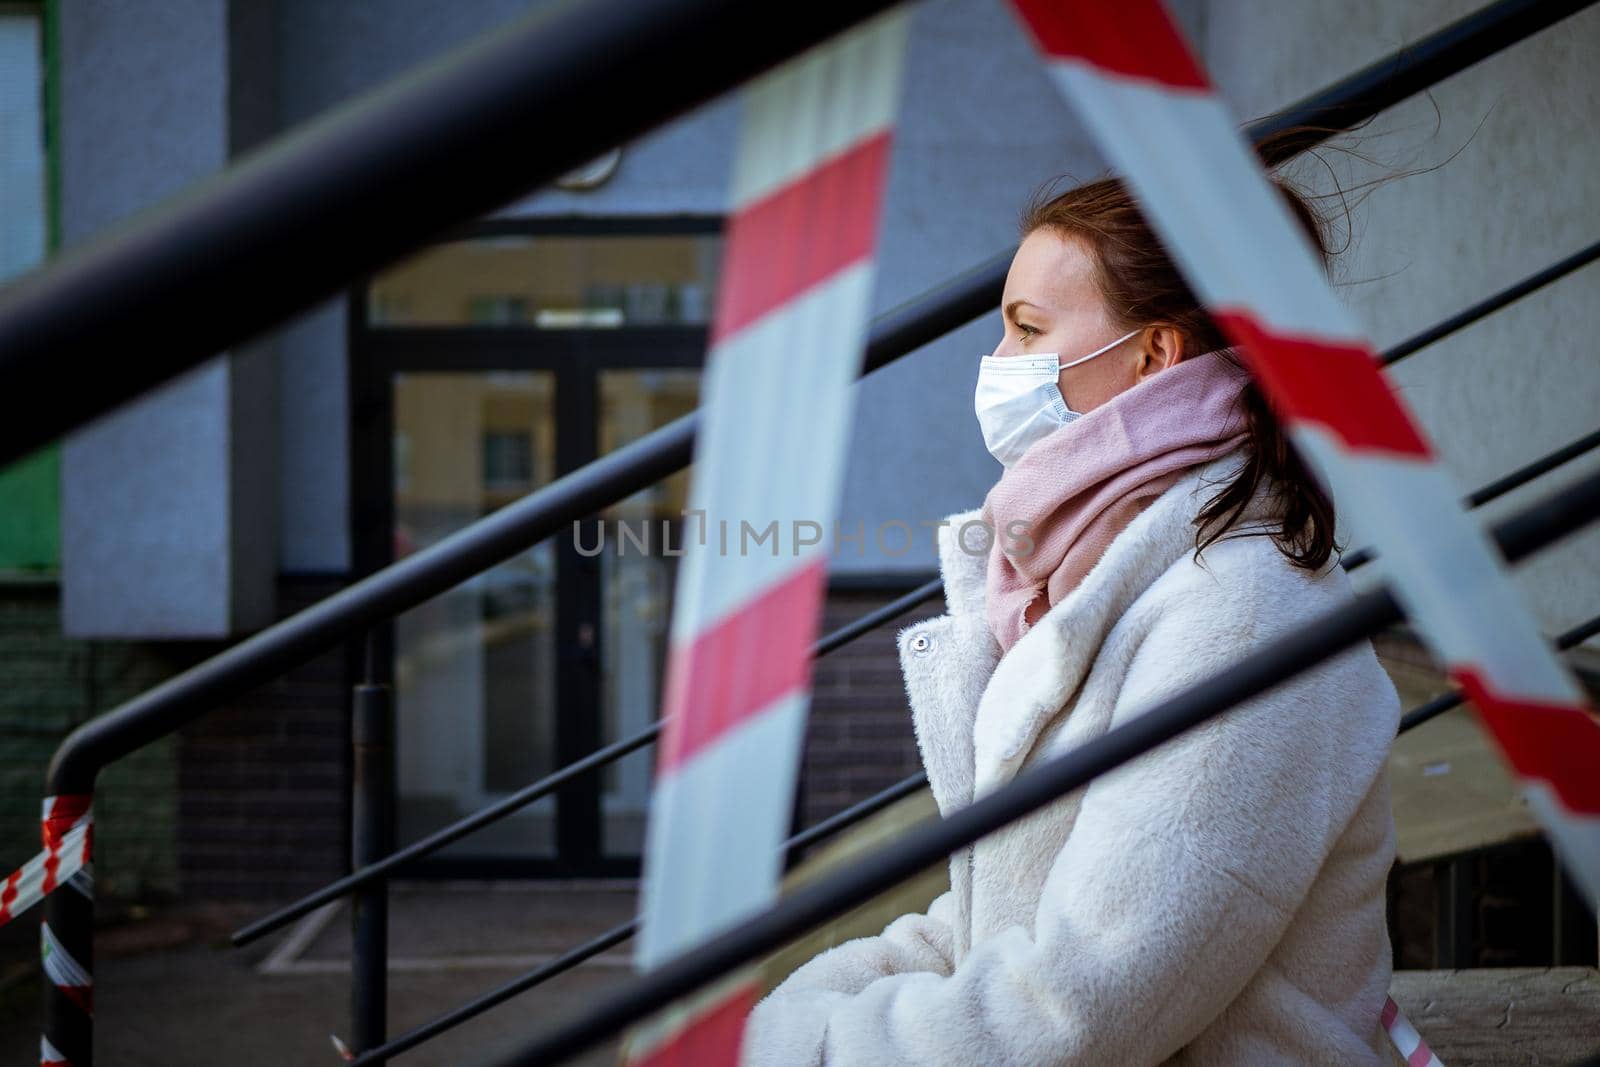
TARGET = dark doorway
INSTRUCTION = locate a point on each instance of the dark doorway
(482, 369)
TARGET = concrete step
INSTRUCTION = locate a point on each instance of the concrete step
(1513, 1015)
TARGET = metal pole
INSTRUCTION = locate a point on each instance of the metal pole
(528, 794)
(1421, 64)
(66, 943)
(295, 221)
(1455, 912)
(371, 839)
(444, 836)
(1455, 698)
(616, 935)
(1486, 307)
(1499, 487)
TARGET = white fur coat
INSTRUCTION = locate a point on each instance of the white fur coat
(1218, 901)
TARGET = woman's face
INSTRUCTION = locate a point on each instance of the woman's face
(1051, 304)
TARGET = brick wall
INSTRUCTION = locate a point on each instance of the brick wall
(50, 684)
(247, 801)
(263, 809)
(859, 738)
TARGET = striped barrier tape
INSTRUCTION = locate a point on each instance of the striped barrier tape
(786, 345)
(1407, 1041)
(68, 827)
(1128, 72)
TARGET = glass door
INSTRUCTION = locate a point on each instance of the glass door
(474, 669)
(637, 575)
(482, 370)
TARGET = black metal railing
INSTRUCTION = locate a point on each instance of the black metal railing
(512, 803)
(388, 866)
(832, 825)
(614, 936)
(291, 224)
(899, 606)
(929, 842)
(396, 168)
(508, 805)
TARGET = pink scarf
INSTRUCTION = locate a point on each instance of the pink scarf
(1076, 489)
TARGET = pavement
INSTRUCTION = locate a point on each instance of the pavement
(171, 991)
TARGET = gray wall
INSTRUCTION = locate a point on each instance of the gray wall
(979, 129)
(325, 53)
(1516, 191)
(167, 517)
(330, 52)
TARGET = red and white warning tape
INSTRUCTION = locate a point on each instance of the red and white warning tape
(68, 835)
(790, 328)
(50, 1056)
(1127, 70)
(64, 972)
(1407, 1041)
(68, 832)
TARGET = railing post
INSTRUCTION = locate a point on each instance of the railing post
(371, 839)
(66, 946)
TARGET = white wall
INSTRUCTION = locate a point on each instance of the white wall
(1518, 194)
(167, 518)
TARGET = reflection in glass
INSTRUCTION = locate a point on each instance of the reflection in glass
(553, 282)
(475, 667)
(636, 591)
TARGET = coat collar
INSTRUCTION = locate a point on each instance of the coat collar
(963, 561)
(1042, 671)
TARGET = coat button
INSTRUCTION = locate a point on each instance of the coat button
(920, 644)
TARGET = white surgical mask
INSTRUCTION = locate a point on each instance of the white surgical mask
(1018, 400)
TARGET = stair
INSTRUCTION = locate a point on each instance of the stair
(1486, 1017)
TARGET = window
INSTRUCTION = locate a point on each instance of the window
(497, 310)
(507, 460)
(553, 282)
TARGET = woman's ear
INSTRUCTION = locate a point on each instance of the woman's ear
(1159, 348)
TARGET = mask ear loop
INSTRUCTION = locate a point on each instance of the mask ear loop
(1096, 352)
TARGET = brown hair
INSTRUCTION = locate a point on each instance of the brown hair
(1143, 287)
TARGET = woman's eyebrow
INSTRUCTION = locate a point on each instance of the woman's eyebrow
(1011, 308)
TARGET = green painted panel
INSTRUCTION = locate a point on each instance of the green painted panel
(30, 490)
(30, 513)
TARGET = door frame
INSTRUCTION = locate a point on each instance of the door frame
(575, 358)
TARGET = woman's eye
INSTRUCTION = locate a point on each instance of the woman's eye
(1026, 329)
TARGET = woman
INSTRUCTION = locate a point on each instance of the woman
(1220, 899)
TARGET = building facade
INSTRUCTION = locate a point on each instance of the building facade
(574, 320)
